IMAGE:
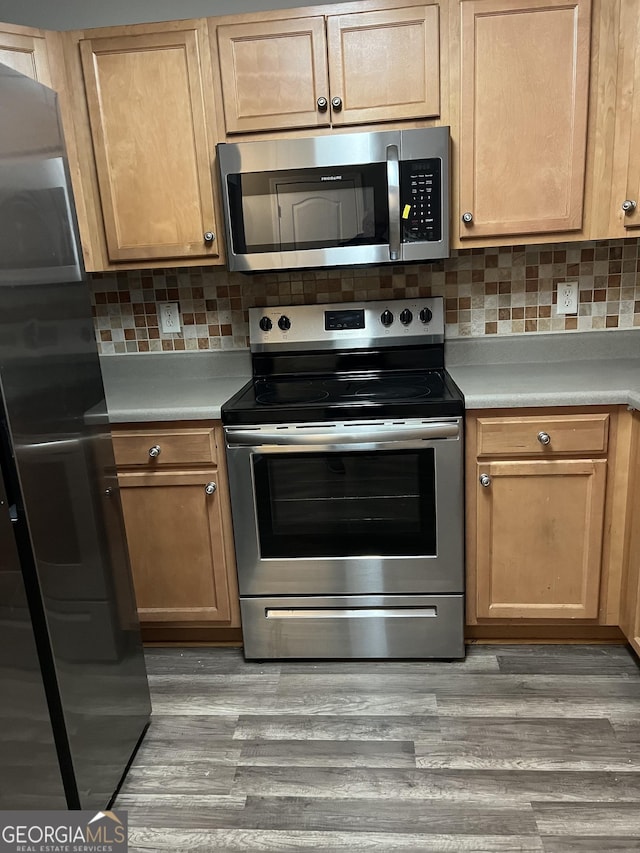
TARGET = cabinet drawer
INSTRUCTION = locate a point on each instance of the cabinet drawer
(527, 436)
(174, 447)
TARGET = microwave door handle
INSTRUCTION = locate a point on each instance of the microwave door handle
(393, 188)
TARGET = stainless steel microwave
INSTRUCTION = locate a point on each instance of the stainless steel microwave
(360, 198)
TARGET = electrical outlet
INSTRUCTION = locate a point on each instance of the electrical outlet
(568, 297)
(169, 317)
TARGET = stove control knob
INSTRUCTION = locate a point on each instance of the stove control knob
(284, 323)
(265, 324)
(406, 317)
(426, 314)
(386, 318)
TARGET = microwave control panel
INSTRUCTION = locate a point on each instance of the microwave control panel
(421, 200)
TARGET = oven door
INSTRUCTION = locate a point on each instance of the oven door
(366, 508)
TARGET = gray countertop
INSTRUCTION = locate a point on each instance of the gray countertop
(579, 369)
(577, 383)
(161, 387)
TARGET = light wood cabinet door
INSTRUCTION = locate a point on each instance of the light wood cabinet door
(523, 116)
(176, 545)
(539, 538)
(25, 51)
(384, 66)
(153, 139)
(626, 178)
(273, 73)
(630, 602)
(343, 69)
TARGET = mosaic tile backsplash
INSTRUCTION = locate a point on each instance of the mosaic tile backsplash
(497, 291)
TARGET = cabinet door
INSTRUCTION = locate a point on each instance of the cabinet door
(176, 546)
(384, 66)
(152, 138)
(273, 74)
(25, 52)
(626, 182)
(630, 601)
(539, 538)
(523, 116)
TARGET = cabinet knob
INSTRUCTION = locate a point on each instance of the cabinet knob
(154, 451)
(322, 103)
(336, 103)
(629, 205)
(485, 480)
(209, 236)
(467, 218)
(210, 488)
(544, 438)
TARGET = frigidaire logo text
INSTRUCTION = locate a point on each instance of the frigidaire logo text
(331, 178)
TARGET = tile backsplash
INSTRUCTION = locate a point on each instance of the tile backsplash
(497, 291)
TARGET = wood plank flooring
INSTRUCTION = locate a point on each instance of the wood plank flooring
(530, 748)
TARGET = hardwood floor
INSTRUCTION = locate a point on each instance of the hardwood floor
(530, 748)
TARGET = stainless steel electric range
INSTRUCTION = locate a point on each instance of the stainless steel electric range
(345, 457)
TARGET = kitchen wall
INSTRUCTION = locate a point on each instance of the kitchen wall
(78, 14)
(502, 291)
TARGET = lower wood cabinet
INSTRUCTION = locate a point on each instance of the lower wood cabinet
(177, 517)
(539, 538)
(630, 610)
(542, 495)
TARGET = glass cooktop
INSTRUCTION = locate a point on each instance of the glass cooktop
(289, 399)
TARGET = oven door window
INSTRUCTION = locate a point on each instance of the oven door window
(309, 209)
(346, 504)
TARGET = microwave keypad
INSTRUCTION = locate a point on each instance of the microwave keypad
(420, 188)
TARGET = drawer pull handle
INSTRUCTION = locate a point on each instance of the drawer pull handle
(485, 480)
(544, 438)
(154, 451)
(210, 488)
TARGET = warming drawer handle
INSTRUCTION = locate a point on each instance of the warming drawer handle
(425, 432)
(353, 613)
(393, 190)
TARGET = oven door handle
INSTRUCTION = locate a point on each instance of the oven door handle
(360, 435)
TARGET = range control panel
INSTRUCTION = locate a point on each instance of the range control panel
(347, 325)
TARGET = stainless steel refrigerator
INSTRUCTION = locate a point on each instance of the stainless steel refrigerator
(74, 699)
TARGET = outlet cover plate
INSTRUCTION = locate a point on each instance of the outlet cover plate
(169, 317)
(567, 297)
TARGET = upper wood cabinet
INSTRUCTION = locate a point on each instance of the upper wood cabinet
(344, 69)
(25, 50)
(524, 94)
(625, 195)
(273, 73)
(153, 136)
